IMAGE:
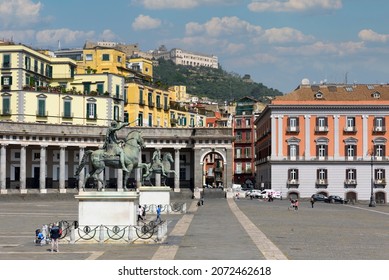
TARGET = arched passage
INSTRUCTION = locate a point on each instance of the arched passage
(213, 169)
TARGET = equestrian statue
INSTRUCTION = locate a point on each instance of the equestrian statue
(159, 165)
(115, 153)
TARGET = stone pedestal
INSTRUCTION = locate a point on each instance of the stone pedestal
(153, 196)
(106, 217)
(107, 208)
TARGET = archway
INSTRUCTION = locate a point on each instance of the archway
(351, 196)
(213, 170)
(380, 197)
(293, 195)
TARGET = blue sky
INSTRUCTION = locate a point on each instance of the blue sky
(277, 42)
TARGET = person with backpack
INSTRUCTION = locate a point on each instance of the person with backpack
(55, 234)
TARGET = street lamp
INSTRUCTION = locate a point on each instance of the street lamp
(372, 199)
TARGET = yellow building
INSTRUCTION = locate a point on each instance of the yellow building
(39, 88)
(102, 60)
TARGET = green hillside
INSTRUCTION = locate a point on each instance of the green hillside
(215, 84)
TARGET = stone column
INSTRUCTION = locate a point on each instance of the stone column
(119, 181)
(365, 136)
(307, 128)
(337, 132)
(22, 186)
(274, 137)
(280, 137)
(158, 175)
(42, 170)
(137, 172)
(62, 169)
(81, 176)
(3, 164)
(177, 170)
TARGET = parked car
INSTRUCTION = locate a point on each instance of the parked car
(319, 197)
(254, 194)
(335, 199)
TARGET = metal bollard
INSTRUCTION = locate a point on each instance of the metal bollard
(101, 234)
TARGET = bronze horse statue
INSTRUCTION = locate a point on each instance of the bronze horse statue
(159, 167)
(100, 159)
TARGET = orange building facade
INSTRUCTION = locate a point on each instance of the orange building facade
(328, 139)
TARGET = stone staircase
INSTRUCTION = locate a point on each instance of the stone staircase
(213, 193)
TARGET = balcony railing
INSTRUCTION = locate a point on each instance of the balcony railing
(42, 114)
(321, 129)
(293, 129)
(292, 183)
(379, 129)
(7, 112)
(321, 183)
(350, 129)
(350, 183)
(380, 183)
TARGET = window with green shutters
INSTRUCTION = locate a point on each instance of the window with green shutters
(117, 91)
(86, 88)
(91, 111)
(100, 88)
(140, 119)
(6, 110)
(27, 62)
(116, 113)
(6, 60)
(41, 107)
(67, 109)
(105, 57)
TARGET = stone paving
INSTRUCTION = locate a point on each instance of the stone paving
(220, 229)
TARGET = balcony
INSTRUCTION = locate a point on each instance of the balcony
(151, 104)
(166, 108)
(321, 183)
(6, 112)
(67, 115)
(6, 65)
(379, 129)
(142, 102)
(42, 114)
(293, 129)
(379, 183)
(350, 129)
(350, 183)
(292, 183)
(321, 129)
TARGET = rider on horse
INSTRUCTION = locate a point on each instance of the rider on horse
(112, 145)
(157, 161)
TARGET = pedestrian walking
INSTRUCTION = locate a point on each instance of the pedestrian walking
(312, 201)
(144, 212)
(139, 212)
(55, 234)
(158, 214)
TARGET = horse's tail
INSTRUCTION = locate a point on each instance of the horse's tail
(83, 162)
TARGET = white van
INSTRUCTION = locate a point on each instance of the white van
(274, 194)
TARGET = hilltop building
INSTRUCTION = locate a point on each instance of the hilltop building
(328, 139)
(186, 58)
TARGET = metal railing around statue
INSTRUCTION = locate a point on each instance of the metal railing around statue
(151, 231)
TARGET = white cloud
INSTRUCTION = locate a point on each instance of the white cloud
(18, 36)
(222, 26)
(108, 35)
(143, 22)
(370, 35)
(293, 5)
(19, 12)
(285, 34)
(181, 4)
(321, 48)
(51, 36)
